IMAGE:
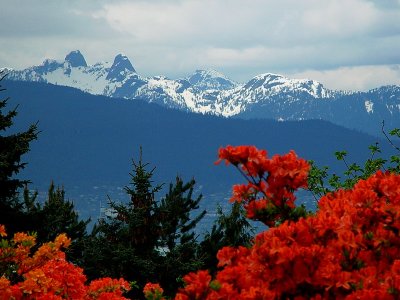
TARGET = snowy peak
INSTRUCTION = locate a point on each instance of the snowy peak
(210, 92)
(76, 59)
(120, 68)
(273, 84)
(210, 80)
(48, 66)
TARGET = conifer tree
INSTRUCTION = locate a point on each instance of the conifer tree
(229, 229)
(177, 238)
(146, 240)
(12, 147)
(55, 216)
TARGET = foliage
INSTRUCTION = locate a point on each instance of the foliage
(349, 249)
(55, 216)
(320, 182)
(147, 240)
(46, 274)
(23, 212)
(231, 229)
(12, 147)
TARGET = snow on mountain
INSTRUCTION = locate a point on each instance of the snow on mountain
(120, 69)
(120, 79)
(210, 92)
(205, 91)
(269, 84)
(210, 80)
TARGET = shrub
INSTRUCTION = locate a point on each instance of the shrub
(45, 273)
(348, 249)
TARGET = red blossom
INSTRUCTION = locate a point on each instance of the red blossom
(268, 196)
(46, 275)
(349, 249)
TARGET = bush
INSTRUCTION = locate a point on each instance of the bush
(46, 274)
(350, 248)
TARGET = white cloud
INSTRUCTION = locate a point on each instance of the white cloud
(355, 78)
(175, 37)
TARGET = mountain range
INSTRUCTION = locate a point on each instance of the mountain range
(87, 143)
(266, 96)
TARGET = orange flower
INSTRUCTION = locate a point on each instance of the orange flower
(3, 230)
(62, 241)
(106, 285)
(197, 285)
(46, 275)
(24, 239)
(349, 249)
(153, 291)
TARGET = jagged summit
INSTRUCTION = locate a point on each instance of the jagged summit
(266, 95)
(119, 67)
(76, 59)
(210, 79)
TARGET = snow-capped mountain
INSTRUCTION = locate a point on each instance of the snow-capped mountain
(210, 92)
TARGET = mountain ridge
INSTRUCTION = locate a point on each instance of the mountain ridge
(87, 142)
(266, 95)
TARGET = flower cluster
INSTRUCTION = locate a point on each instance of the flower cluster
(349, 249)
(153, 291)
(46, 274)
(268, 195)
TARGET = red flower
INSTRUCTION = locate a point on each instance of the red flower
(349, 249)
(197, 286)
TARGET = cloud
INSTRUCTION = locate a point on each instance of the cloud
(175, 37)
(355, 78)
(228, 23)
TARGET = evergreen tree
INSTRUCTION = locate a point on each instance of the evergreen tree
(232, 229)
(145, 239)
(12, 147)
(177, 239)
(57, 215)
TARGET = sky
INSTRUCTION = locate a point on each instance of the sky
(344, 44)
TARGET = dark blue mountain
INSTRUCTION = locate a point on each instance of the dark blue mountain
(76, 59)
(119, 68)
(87, 142)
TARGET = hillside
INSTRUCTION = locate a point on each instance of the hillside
(87, 142)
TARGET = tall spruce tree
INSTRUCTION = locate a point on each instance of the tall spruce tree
(145, 239)
(12, 147)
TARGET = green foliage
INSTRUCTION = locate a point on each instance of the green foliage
(174, 211)
(320, 182)
(231, 229)
(55, 216)
(12, 147)
(145, 239)
(23, 212)
(177, 240)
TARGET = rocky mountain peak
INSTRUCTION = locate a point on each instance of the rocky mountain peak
(76, 59)
(119, 67)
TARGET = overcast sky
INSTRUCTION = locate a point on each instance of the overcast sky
(345, 44)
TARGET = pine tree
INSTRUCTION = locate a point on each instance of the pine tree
(177, 239)
(145, 239)
(232, 229)
(12, 147)
(55, 216)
